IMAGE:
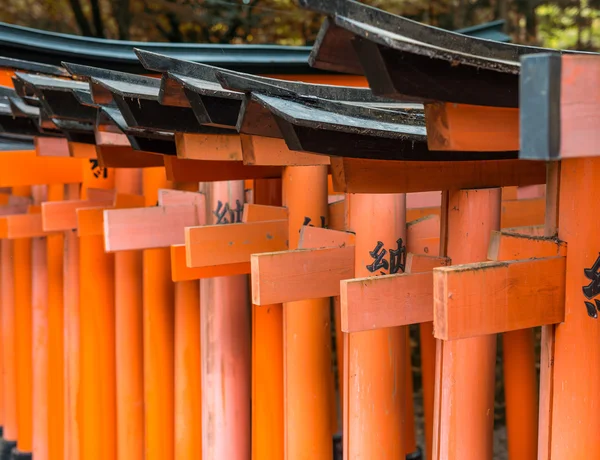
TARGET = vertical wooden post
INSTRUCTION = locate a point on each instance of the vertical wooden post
(9, 361)
(129, 337)
(308, 377)
(23, 330)
(72, 410)
(267, 358)
(97, 340)
(188, 404)
(576, 371)
(520, 393)
(379, 222)
(225, 337)
(428, 347)
(56, 362)
(40, 333)
(465, 369)
(158, 306)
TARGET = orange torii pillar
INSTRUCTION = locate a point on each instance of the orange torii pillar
(309, 408)
(465, 369)
(225, 343)
(129, 337)
(153, 228)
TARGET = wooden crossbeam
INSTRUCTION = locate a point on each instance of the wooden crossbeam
(353, 175)
(82, 151)
(531, 230)
(505, 245)
(288, 276)
(171, 197)
(471, 128)
(519, 213)
(62, 215)
(317, 237)
(270, 151)
(211, 245)
(25, 168)
(258, 212)
(51, 146)
(390, 300)
(212, 147)
(22, 226)
(126, 157)
(423, 235)
(149, 227)
(181, 272)
(211, 171)
(493, 297)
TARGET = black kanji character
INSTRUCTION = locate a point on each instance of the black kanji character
(592, 289)
(222, 212)
(397, 258)
(97, 170)
(378, 254)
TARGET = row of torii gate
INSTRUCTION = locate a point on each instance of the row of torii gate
(215, 264)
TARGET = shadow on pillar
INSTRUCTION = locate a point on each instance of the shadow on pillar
(18, 455)
(6, 447)
(338, 452)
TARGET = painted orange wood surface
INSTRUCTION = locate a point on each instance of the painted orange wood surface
(289, 276)
(40, 351)
(23, 343)
(465, 369)
(147, 228)
(81, 150)
(129, 336)
(462, 127)
(233, 243)
(269, 151)
(9, 358)
(337, 215)
(374, 219)
(62, 215)
(519, 213)
(214, 147)
(259, 212)
(423, 235)
(317, 237)
(226, 350)
(390, 300)
(513, 246)
(22, 169)
(574, 398)
(97, 340)
(181, 272)
(169, 197)
(126, 157)
(267, 353)
(383, 176)
(188, 400)
(309, 407)
(488, 298)
(207, 171)
(531, 230)
(21, 226)
(51, 146)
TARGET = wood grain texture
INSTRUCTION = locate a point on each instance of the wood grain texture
(300, 274)
(233, 243)
(488, 298)
(381, 176)
(390, 300)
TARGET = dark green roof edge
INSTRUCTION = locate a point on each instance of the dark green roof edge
(45, 47)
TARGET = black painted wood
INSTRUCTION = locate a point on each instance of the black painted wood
(539, 113)
(29, 66)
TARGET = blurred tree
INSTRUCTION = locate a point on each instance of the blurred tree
(553, 23)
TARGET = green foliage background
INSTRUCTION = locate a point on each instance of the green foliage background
(555, 23)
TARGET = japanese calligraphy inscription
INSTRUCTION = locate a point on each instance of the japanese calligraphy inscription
(593, 289)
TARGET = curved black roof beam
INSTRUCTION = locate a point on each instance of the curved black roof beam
(53, 48)
(403, 59)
